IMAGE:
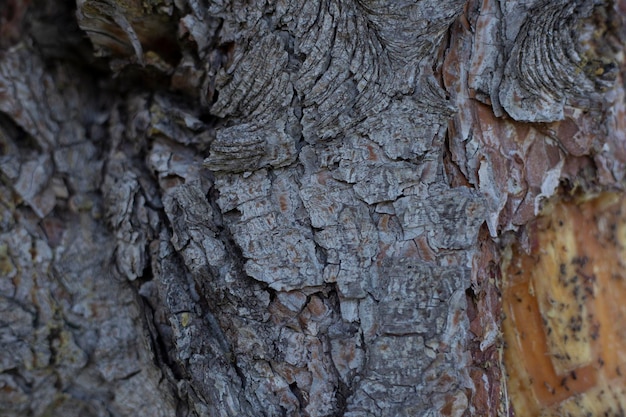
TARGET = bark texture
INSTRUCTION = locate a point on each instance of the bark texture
(289, 207)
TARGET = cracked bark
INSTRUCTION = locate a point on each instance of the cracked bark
(284, 208)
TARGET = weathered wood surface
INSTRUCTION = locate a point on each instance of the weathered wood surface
(283, 208)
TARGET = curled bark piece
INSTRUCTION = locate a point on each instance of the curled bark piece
(129, 29)
(548, 66)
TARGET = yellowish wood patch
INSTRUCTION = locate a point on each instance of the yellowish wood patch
(564, 298)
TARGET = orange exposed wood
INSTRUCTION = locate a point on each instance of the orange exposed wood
(565, 327)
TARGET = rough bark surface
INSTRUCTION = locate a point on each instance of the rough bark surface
(288, 207)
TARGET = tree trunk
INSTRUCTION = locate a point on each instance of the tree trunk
(290, 208)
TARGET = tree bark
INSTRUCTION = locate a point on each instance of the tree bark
(296, 208)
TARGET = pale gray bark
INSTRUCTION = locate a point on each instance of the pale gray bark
(283, 208)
